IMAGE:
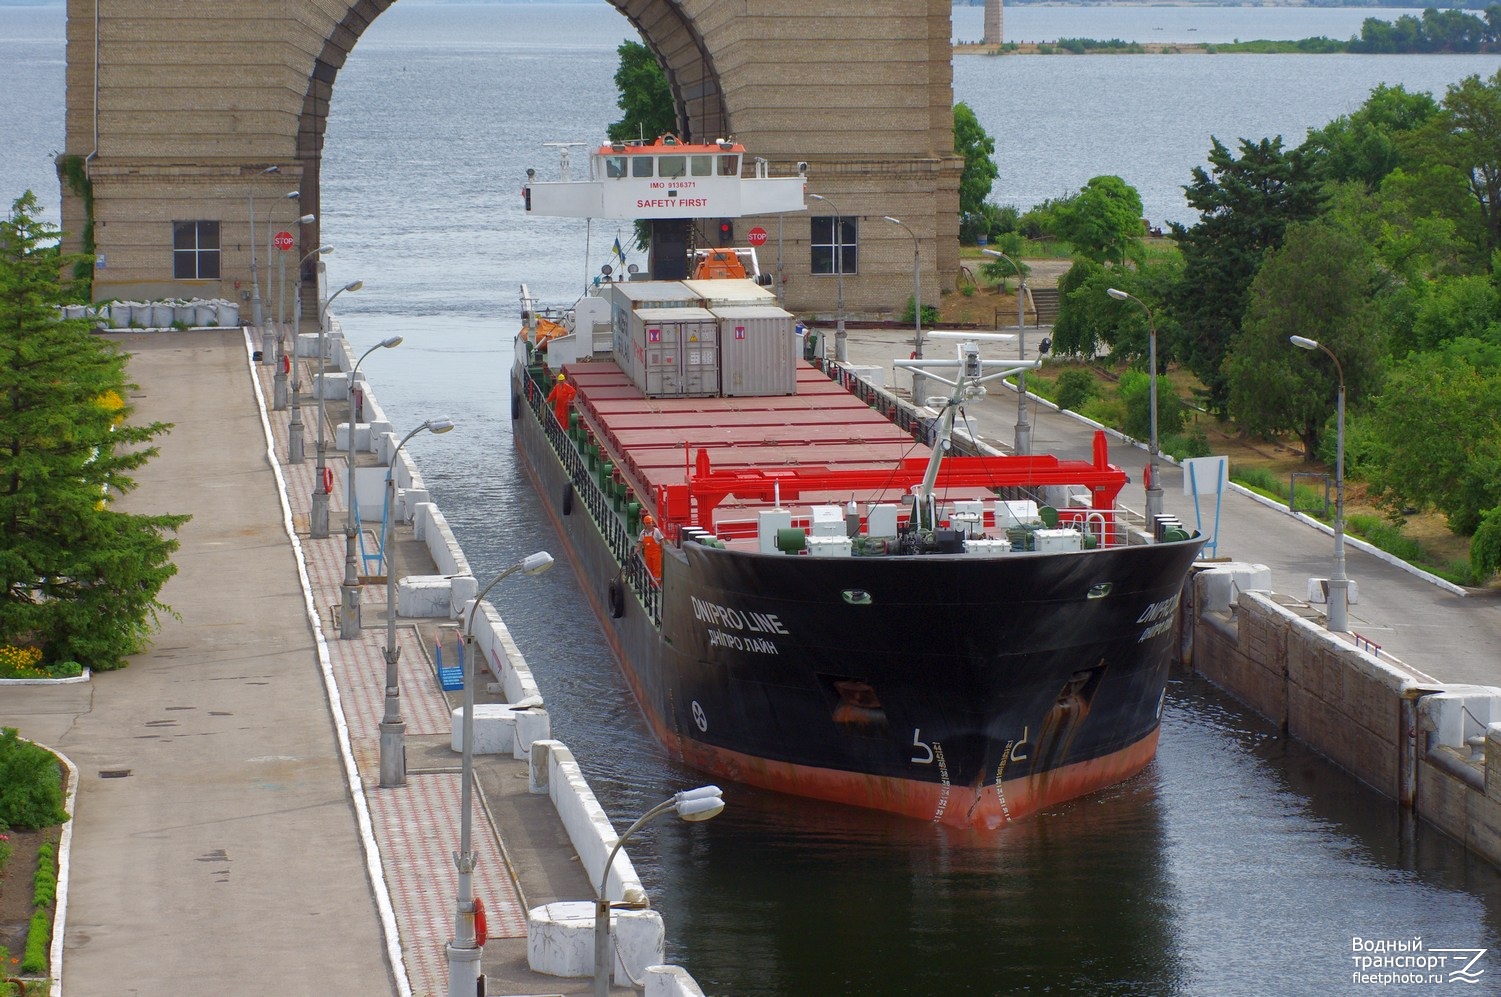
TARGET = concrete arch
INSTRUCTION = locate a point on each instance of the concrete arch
(178, 112)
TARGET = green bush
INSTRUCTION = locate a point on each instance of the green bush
(44, 882)
(1258, 479)
(1485, 547)
(929, 314)
(1136, 392)
(31, 790)
(38, 939)
(1075, 387)
(1194, 443)
(44, 892)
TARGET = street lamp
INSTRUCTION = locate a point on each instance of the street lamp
(295, 443)
(1154, 490)
(349, 619)
(393, 760)
(318, 517)
(464, 951)
(1339, 584)
(691, 805)
(1023, 428)
(841, 348)
(255, 281)
(916, 304)
(267, 336)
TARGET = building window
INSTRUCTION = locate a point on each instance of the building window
(824, 244)
(195, 250)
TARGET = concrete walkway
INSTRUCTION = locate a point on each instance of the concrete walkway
(230, 835)
(215, 849)
(1449, 636)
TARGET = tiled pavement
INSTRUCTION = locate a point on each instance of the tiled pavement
(416, 826)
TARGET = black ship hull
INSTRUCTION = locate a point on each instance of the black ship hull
(964, 690)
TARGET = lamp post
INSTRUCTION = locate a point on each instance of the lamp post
(691, 805)
(463, 951)
(318, 516)
(1023, 427)
(841, 347)
(916, 303)
(282, 364)
(255, 280)
(295, 443)
(393, 758)
(268, 339)
(1339, 584)
(1154, 490)
(349, 618)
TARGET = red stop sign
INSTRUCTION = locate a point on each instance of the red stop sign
(757, 236)
(282, 241)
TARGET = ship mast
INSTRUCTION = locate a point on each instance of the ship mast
(968, 374)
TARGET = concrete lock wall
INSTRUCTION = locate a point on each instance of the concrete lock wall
(1430, 746)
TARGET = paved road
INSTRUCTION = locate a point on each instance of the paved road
(1451, 637)
(216, 850)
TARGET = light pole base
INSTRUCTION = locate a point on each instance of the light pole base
(1154, 505)
(1339, 602)
(279, 391)
(1023, 437)
(268, 346)
(296, 442)
(349, 612)
(464, 979)
(393, 754)
(318, 517)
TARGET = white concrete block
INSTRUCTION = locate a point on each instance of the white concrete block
(306, 344)
(560, 938)
(1219, 587)
(671, 981)
(494, 729)
(1318, 591)
(463, 590)
(869, 373)
(640, 939)
(1460, 712)
(335, 386)
(424, 596)
(407, 501)
(532, 725)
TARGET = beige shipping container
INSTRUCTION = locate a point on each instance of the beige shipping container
(757, 350)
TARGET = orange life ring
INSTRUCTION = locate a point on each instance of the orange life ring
(328, 481)
(286, 364)
(481, 927)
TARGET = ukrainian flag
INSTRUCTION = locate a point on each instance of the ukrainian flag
(618, 251)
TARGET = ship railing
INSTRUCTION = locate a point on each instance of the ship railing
(587, 491)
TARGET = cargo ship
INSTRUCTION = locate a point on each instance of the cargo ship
(811, 585)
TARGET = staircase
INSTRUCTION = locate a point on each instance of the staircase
(1044, 304)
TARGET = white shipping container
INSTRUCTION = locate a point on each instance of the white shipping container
(677, 350)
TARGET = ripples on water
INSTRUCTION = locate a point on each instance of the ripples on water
(1235, 864)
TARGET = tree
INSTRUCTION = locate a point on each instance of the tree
(1435, 436)
(978, 150)
(77, 578)
(1366, 145)
(1316, 285)
(645, 96)
(1469, 139)
(1103, 221)
(1244, 203)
